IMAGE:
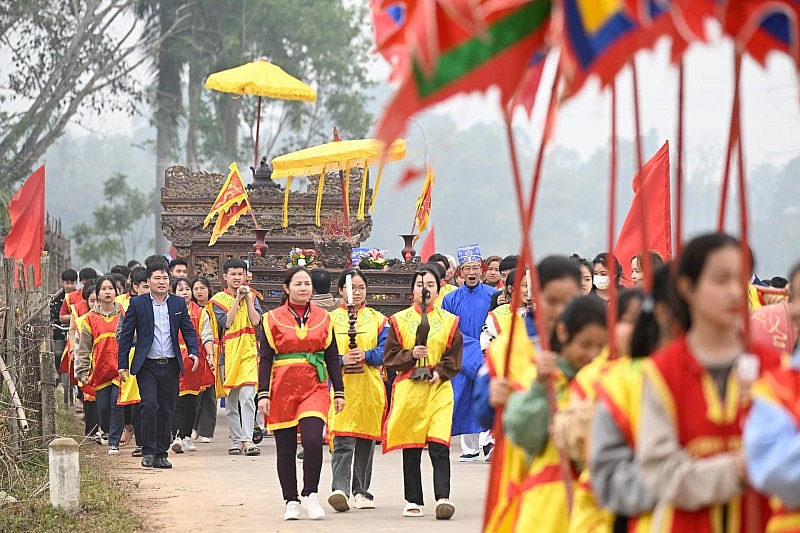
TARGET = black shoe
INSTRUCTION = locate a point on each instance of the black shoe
(137, 452)
(258, 435)
(148, 461)
(161, 462)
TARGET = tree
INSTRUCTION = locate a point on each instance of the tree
(68, 57)
(117, 233)
(321, 42)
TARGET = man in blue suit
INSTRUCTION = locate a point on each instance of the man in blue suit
(155, 320)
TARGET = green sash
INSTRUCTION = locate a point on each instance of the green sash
(316, 359)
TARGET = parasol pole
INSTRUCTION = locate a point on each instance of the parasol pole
(345, 207)
(645, 263)
(636, 116)
(258, 133)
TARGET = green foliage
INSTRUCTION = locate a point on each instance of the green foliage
(116, 224)
(321, 42)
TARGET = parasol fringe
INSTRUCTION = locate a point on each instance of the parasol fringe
(377, 184)
(363, 198)
(346, 192)
(286, 202)
(319, 197)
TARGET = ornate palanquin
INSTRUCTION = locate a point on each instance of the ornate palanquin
(188, 195)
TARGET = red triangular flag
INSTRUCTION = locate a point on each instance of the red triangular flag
(428, 245)
(25, 241)
(648, 225)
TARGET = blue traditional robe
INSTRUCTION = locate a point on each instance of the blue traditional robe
(472, 307)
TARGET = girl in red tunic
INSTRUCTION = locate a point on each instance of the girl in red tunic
(298, 355)
(696, 396)
(191, 382)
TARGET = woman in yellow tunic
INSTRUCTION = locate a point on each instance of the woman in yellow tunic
(422, 407)
(358, 426)
(297, 356)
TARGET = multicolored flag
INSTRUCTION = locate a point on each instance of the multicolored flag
(762, 27)
(446, 58)
(423, 205)
(231, 203)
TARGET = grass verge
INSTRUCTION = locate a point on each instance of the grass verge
(106, 504)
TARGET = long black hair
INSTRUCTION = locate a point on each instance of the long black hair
(647, 331)
(691, 265)
(355, 272)
(606, 260)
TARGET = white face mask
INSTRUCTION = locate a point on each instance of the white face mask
(602, 282)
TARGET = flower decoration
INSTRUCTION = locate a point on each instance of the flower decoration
(302, 257)
(373, 259)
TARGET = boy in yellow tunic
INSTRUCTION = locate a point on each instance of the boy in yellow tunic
(422, 396)
(238, 313)
(358, 426)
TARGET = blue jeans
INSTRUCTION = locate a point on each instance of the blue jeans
(111, 415)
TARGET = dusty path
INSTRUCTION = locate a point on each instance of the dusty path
(210, 491)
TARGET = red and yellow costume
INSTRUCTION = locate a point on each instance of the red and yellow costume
(104, 348)
(705, 425)
(365, 409)
(193, 381)
(782, 389)
(77, 307)
(238, 346)
(520, 374)
(444, 290)
(620, 391)
(299, 382)
(420, 412)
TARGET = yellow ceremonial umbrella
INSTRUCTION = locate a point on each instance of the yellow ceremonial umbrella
(260, 78)
(341, 156)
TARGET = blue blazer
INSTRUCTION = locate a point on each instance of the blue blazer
(139, 320)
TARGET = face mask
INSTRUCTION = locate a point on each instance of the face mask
(602, 282)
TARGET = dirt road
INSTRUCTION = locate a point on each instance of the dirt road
(208, 490)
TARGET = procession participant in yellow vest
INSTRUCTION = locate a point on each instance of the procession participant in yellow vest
(499, 319)
(298, 355)
(206, 419)
(580, 336)
(696, 396)
(616, 482)
(85, 391)
(96, 364)
(559, 281)
(571, 425)
(421, 413)
(445, 288)
(772, 432)
(190, 383)
(129, 390)
(238, 313)
(359, 425)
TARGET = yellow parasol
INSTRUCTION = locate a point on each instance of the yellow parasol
(260, 78)
(337, 156)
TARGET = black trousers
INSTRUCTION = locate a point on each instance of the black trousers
(158, 387)
(412, 473)
(183, 418)
(286, 447)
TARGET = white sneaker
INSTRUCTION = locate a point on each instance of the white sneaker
(188, 445)
(177, 445)
(205, 440)
(362, 502)
(313, 508)
(292, 511)
(194, 434)
(113, 450)
(104, 439)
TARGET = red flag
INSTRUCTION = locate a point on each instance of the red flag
(651, 193)
(25, 241)
(428, 245)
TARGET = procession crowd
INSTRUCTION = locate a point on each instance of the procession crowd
(664, 416)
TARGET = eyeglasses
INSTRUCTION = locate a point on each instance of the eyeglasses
(359, 289)
(471, 268)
